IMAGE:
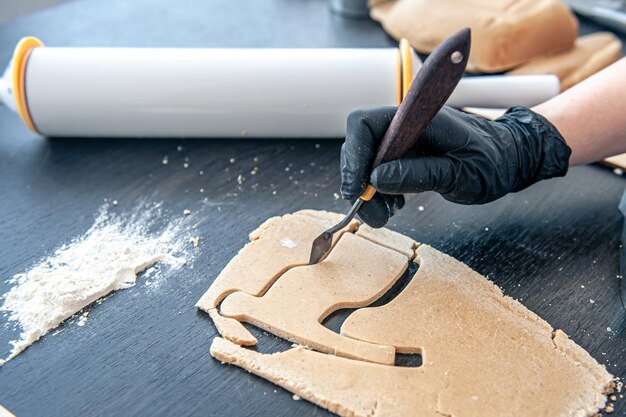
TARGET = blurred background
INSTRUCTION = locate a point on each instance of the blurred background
(10, 9)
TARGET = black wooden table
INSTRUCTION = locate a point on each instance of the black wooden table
(554, 246)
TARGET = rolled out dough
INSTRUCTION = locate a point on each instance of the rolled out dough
(389, 239)
(487, 347)
(484, 354)
(264, 259)
(344, 386)
(356, 273)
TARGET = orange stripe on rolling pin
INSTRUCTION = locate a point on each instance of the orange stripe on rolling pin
(20, 61)
(403, 82)
(407, 66)
(398, 78)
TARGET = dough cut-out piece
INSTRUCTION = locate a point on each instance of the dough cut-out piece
(356, 273)
(389, 239)
(277, 245)
(346, 387)
(497, 357)
(232, 328)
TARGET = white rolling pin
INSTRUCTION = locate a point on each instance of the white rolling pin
(503, 91)
(189, 92)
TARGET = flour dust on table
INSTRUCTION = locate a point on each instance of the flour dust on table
(106, 258)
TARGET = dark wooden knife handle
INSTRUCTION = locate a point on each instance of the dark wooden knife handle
(429, 90)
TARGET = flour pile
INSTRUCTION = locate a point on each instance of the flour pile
(106, 258)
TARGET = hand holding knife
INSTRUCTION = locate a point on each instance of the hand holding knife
(429, 90)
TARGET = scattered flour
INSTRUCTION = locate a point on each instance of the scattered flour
(288, 243)
(83, 319)
(195, 241)
(106, 258)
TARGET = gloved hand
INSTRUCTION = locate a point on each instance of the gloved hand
(465, 158)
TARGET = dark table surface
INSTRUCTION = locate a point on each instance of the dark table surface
(145, 352)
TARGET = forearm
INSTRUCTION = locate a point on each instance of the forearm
(590, 116)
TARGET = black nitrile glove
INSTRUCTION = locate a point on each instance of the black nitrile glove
(465, 158)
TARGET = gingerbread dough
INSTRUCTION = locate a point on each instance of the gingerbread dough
(590, 54)
(483, 353)
(356, 273)
(389, 239)
(343, 386)
(505, 33)
(276, 246)
(484, 344)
